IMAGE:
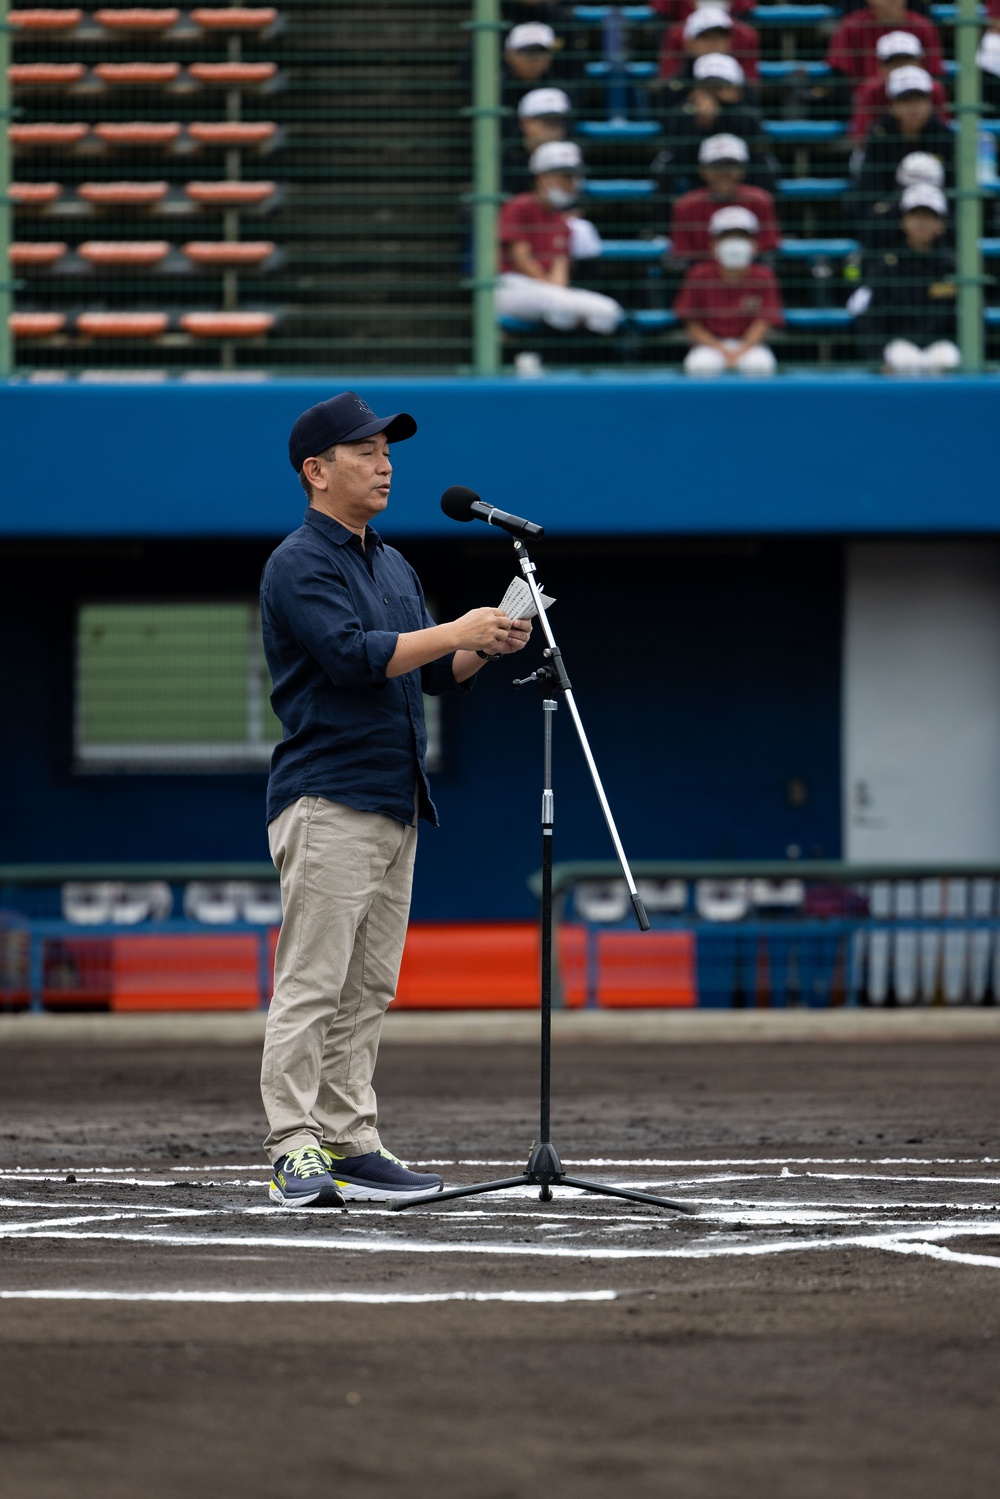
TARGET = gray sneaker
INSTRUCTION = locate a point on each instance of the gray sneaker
(301, 1180)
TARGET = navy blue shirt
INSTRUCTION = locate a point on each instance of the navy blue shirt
(331, 611)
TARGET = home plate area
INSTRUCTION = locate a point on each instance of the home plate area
(208, 1233)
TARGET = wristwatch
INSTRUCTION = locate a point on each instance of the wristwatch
(487, 655)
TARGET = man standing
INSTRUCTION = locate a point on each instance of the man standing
(351, 649)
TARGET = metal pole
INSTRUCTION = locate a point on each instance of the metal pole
(486, 28)
(969, 214)
(6, 208)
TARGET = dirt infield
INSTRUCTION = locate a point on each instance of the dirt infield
(828, 1326)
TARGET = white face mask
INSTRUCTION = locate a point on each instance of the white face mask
(735, 252)
(558, 197)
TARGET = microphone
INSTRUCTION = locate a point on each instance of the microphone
(464, 504)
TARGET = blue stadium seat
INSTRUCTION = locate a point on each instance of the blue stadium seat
(990, 249)
(655, 320)
(991, 316)
(632, 69)
(809, 249)
(818, 318)
(619, 189)
(804, 132)
(618, 130)
(793, 15)
(776, 71)
(634, 249)
(945, 14)
(601, 12)
(813, 187)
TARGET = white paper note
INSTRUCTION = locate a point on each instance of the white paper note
(517, 602)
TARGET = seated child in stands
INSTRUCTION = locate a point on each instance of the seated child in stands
(852, 47)
(910, 126)
(897, 49)
(723, 160)
(910, 313)
(714, 106)
(880, 228)
(708, 28)
(543, 114)
(730, 304)
(529, 52)
(536, 248)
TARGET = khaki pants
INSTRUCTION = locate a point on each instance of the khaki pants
(345, 898)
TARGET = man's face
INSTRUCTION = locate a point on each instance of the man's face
(529, 63)
(922, 227)
(723, 177)
(911, 112)
(352, 484)
(709, 41)
(543, 128)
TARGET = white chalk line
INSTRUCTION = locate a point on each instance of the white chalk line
(340, 1298)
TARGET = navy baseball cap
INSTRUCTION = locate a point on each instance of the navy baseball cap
(343, 418)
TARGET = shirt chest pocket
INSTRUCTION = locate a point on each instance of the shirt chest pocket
(404, 611)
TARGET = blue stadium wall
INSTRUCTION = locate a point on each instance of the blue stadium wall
(695, 544)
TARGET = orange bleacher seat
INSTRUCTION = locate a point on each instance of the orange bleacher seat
(36, 74)
(487, 966)
(138, 132)
(190, 972)
(45, 20)
(137, 253)
(229, 194)
(132, 194)
(228, 252)
(123, 324)
(35, 194)
(36, 324)
(37, 252)
(232, 73)
(235, 18)
(646, 969)
(137, 72)
(137, 19)
(227, 324)
(48, 133)
(232, 132)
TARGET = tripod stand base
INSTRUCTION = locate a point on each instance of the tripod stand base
(545, 1171)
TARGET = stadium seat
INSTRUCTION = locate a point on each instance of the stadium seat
(48, 133)
(634, 249)
(137, 72)
(36, 324)
(777, 72)
(123, 324)
(602, 12)
(232, 74)
(810, 249)
(632, 69)
(793, 15)
(37, 253)
(35, 194)
(44, 20)
(618, 130)
(821, 319)
(137, 19)
(138, 132)
(122, 194)
(232, 132)
(654, 319)
(229, 194)
(235, 18)
(45, 74)
(619, 189)
(134, 254)
(803, 132)
(991, 316)
(228, 252)
(813, 187)
(227, 324)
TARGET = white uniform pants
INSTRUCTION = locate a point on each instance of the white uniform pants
(905, 358)
(701, 360)
(562, 307)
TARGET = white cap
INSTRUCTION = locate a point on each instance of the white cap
(718, 65)
(898, 44)
(530, 34)
(920, 167)
(733, 220)
(544, 101)
(555, 156)
(722, 148)
(908, 81)
(923, 195)
(706, 18)
(988, 56)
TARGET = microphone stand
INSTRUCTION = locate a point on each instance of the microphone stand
(544, 1169)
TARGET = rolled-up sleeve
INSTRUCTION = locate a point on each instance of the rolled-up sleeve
(439, 676)
(315, 605)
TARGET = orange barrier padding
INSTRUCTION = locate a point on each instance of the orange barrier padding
(123, 324)
(137, 19)
(138, 132)
(128, 193)
(45, 20)
(36, 324)
(233, 73)
(227, 324)
(37, 252)
(232, 132)
(35, 194)
(144, 252)
(47, 133)
(235, 18)
(137, 72)
(228, 252)
(229, 194)
(189, 972)
(34, 74)
(469, 966)
(637, 969)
